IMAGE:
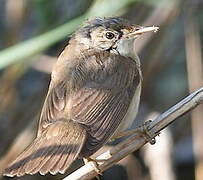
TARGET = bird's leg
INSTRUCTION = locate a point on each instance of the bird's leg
(150, 137)
(94, 164)
(142, 130)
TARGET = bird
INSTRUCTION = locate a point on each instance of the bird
(94, 95)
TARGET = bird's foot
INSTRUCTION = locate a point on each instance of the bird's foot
(150, 137)
(142, 130)
(95, 165)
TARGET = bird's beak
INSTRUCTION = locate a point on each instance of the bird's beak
(141, 30)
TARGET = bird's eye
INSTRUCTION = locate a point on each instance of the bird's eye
(110, 35)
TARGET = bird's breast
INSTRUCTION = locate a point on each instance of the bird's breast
(132, 110)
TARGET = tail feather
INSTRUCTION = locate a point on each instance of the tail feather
(48, 165)
(53, 151)
(57, 163)
(34, 166)
(67, 161)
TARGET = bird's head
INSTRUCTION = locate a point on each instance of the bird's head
(115, 35)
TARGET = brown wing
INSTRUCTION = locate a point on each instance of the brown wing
(100, 89)
(54, 105)
(101, 111)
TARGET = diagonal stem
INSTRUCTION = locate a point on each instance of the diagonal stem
(133, 143)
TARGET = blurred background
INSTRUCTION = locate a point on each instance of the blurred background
(34, 32)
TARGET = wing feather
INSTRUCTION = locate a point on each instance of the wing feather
(96, 95)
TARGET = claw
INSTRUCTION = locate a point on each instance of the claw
(149, 137)
(142, 130)
(95, 165)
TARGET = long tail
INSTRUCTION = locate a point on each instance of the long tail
(53, 151)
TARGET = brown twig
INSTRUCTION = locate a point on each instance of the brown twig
(109, 158)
